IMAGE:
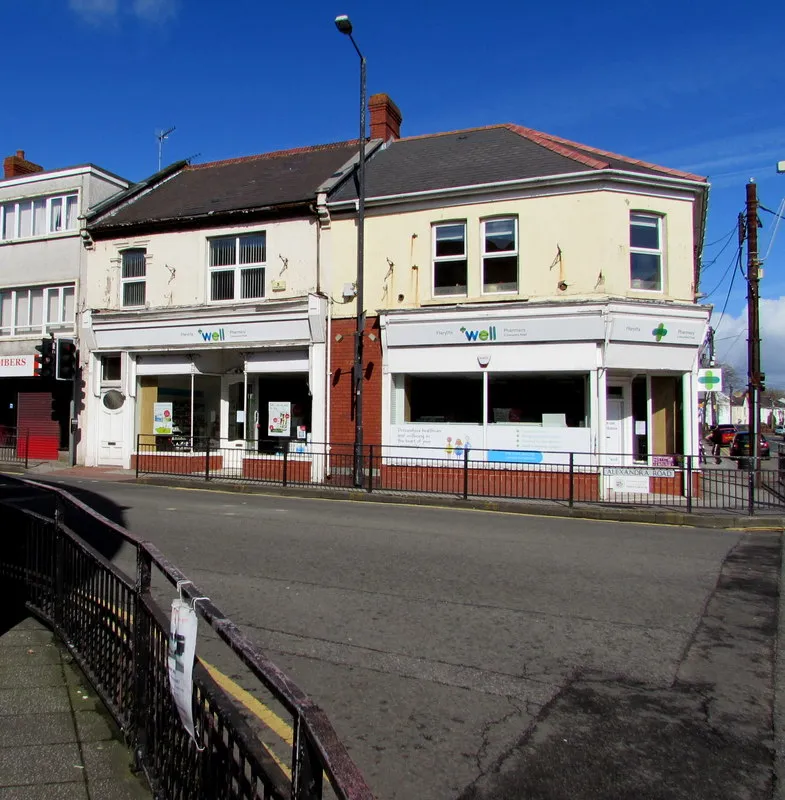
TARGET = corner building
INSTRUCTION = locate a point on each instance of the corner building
(530, 297)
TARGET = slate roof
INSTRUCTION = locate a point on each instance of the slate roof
(485, 155)
(266, 181)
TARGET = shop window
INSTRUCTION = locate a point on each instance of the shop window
(275, 389)
(645, 252)
(133, 275)
(500, 255)
(237, 266)
(443, 398)
(640, 405)
(558, 400)
(449, 259)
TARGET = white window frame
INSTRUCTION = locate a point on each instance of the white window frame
(503, 254)
(47, 325)
(237, 268)
(49, 200)
(134, 279)
(658, 251)
(436, 260)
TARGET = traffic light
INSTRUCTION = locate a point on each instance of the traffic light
(45, 359)
(66, 360)
(762, 381)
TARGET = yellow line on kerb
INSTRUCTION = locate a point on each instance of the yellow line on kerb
(257, 708)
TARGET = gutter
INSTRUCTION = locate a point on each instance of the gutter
(556, 180)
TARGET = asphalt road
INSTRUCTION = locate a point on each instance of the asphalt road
(480, 655)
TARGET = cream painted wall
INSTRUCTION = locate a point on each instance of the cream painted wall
(589, 228)
(177, 272)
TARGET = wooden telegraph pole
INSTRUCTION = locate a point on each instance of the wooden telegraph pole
(754, 376)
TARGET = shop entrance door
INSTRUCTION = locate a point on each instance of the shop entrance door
(614, 431)
(110, 428)
(241, 417)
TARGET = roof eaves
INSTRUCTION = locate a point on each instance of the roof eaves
(544, 140)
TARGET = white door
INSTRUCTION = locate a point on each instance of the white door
(111, 422)
(614, 431)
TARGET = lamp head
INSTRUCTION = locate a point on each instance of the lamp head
(344, 24)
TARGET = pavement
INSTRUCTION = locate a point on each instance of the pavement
(56, 738)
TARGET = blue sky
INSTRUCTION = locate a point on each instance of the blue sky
(688, 85)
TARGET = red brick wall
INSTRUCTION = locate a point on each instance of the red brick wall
(341, 394)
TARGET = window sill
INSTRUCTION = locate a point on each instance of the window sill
(44, 238)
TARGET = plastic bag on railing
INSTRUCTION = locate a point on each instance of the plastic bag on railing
(182, 649)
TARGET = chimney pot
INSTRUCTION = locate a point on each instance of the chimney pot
(20, 154)
(385, 118)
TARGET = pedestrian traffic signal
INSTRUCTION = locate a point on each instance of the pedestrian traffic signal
(762, 381)
(45, 359)
(66, 360)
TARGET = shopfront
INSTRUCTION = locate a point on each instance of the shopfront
(240, 385)
(605, 384)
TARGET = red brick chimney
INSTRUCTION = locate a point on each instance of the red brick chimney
(385, 118)
(14, 166)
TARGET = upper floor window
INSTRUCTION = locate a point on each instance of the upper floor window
(237, 266)
(449, 259)
(36, 310)
(38, 216)
(645, 252)
(500, 255)
(133, 272)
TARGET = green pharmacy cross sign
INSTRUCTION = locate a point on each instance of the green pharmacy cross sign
(709, 380)
(660, 332)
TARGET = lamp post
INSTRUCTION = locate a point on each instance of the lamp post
(344, 25)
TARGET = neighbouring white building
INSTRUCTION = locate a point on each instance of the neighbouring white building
(42, 265)
(206, 309)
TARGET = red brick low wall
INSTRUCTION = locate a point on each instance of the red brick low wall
(166, 464)
(484, 482)
(271, 469)
(676, 485)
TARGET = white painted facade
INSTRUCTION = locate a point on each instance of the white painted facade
(182, 346)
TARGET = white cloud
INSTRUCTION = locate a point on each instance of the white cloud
(731, 341)
(97, 12)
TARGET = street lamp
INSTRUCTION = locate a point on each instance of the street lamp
(344, 25)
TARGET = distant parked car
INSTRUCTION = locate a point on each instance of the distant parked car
(780, 430)
(740, 446)
(727, 431)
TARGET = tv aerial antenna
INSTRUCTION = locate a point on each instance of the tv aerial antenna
(162, 136)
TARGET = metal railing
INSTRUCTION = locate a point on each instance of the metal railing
(119, 635)
(14, 446)
(678, 482)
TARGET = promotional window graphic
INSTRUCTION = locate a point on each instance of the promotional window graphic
(279, 418)
(162, 419)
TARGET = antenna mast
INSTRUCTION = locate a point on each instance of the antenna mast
(161, 136)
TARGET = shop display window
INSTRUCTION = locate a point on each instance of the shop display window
(443, 398)
(538, 399)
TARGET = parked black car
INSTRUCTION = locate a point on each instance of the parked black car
(740, 446)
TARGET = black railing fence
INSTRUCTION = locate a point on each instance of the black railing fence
(14, 446)
(119, 634)
(675, 482)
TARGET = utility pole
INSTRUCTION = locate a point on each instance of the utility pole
(753, 325)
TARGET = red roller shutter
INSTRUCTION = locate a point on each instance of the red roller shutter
(34, 423)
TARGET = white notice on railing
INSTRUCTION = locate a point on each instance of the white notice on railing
(182, 648)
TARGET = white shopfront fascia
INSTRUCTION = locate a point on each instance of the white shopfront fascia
(17, 366)
(589, 339)
(283, 340)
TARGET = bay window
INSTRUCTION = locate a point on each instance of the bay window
(237, 266)
(645, 252)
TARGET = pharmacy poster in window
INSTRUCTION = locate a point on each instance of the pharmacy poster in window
(162, 419)
(279, 419)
